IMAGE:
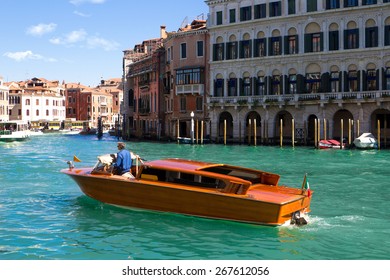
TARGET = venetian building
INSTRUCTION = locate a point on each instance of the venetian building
(4, 102)
(315, 66)
(37, 100)
(142, 108)
(185, 81)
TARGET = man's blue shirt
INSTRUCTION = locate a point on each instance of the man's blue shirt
(123, 161)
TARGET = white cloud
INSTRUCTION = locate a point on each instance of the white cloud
(82, 38)
(40, 29)
(96, 42)
(70, 38)
(27, 55)
(81, 14)
(79, 2)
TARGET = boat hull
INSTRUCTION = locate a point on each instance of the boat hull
(160, 196)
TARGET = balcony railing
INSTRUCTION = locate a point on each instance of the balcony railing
(190, 89)
(297, 99)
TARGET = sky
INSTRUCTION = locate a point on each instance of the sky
(82, 41)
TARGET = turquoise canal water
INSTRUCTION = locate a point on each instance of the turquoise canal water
(44, 215)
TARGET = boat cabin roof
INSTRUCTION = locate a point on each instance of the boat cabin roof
(182, 164)
(211, 169)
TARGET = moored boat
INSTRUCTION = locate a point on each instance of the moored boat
(196, 188)
(330, 144)
(366, 141)
(11, 131)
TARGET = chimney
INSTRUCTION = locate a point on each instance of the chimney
(163, 32)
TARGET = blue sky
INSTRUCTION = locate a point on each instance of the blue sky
(81, 40)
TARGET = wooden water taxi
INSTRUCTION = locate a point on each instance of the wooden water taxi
(210, 190)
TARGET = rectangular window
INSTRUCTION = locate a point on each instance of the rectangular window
(183, 104)
(351, 39)
(245, 13)
(260, 89)
(218, 54)
(275, 46)
(332, 4)
(260, 11)
(313, 82)
(316, 41)
(371, 37)
(260, 47)
(246, 87)
(350, 3)
(199, 103)
(369, 2)
(183, 50)
(199, 48)
(313, 42)
(291, 7)
(387, 78)
(37, 102)
(245, 47)
(219, 18)
(292, 84)
(275, 9)
(232, 13)
(231, 52)
(189, 76)
(335, 81)
(276, 84)
(353, 80)
(232, 87)
(311, 5)
(371, 80)
(218, 87)
(291, 44)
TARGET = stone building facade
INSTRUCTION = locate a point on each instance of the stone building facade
(278, 68)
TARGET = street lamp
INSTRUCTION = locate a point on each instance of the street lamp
(192, 127)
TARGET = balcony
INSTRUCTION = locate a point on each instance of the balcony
(301, 99)
(190, 89)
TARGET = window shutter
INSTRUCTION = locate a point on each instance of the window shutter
(308, 43)
(286, 49)
(345, 39)
(322, 41)
(377, 79)
(364, 80)
(325, 82)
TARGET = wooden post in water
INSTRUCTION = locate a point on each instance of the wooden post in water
(342, 133)
(197, 131)
(201, 132)
(379, 134)
(254, 132)
(293, 133)
(224, 132)
(178, 131)
(319, 133)
(281, 132)
(358, 128)
(315, 133)
(249, 131)
(325, 132)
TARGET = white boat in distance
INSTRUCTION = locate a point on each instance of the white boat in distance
(11, 131)
(366, 141)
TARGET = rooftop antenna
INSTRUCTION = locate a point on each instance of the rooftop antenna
(184, 23)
